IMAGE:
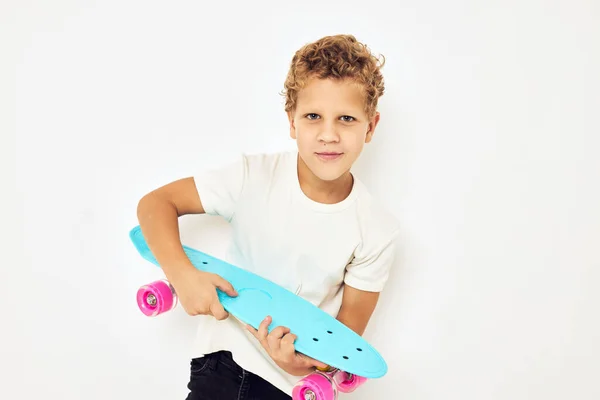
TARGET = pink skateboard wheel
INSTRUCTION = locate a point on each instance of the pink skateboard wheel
(346, 382)
(315, 386)
(156, 298)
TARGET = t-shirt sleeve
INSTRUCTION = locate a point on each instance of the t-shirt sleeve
(220, 188)
(369, 271)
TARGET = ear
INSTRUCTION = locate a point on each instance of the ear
(290, 115)
(372, 125)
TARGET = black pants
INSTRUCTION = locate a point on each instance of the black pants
(217, 376)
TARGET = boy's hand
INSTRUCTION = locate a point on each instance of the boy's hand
(279, 344)
(197, 292)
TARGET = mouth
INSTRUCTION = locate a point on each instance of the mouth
(328, 155)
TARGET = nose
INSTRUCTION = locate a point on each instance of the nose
(328, 133)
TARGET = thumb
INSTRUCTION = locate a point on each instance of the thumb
(225, 286)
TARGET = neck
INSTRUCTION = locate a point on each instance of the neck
(327, 192)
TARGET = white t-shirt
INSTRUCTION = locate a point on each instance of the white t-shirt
(309, 248)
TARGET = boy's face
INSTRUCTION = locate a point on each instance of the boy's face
(330, 126)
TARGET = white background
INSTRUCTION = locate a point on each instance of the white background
(487, 152)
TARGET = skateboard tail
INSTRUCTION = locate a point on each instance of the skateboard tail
(139, 242)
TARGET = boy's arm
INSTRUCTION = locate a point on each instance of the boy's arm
(357, 308)
(369, 270)
(158, 213)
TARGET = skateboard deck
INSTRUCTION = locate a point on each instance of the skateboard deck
(319, 335)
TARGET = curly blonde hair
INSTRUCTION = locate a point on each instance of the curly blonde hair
(338, 57)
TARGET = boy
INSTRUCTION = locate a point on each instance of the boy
(300, 219)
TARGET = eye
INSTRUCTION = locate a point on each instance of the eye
(347, 118)
(312, 116)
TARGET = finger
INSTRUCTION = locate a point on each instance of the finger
(279, 332)
(217, 310)
(289, 340)
(261, 335)
(253, 331)
(262, 340)
(287, 348)
(263, 328)
(274, 338)
(225, 286)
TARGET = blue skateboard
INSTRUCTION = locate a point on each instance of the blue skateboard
(319, 335)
